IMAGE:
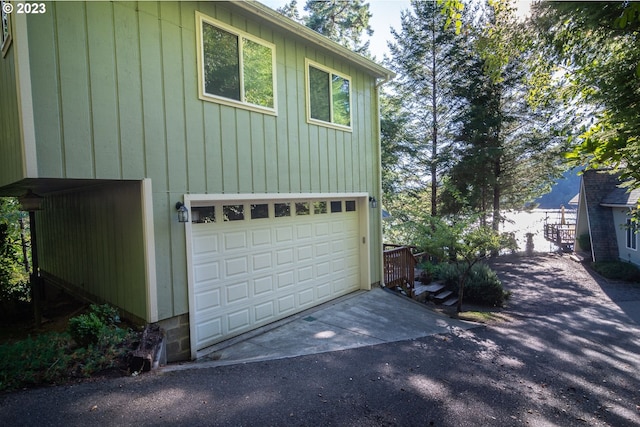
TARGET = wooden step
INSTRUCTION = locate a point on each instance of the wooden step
(443, 295)
(434, 287)
(451, 301)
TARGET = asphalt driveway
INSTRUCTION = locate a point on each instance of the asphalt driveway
(564, 354)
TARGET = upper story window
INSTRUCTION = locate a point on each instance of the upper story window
(5, 34)
(235, 68)
(328, 96)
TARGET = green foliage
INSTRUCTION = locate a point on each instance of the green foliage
(596, 49)
(14, 277)
(87, 329)
(482, 285)
(617, 270)
(342, 22)
(52, 358)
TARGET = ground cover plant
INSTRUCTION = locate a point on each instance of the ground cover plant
(93, 343)
(482, 285)
(617, 270)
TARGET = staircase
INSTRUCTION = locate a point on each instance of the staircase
(435, 292)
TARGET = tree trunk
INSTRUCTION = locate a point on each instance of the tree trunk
(434, 118)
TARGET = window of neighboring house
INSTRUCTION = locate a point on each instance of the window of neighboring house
(631, 228)
(5, 35)
(235, 68)
(328, 96)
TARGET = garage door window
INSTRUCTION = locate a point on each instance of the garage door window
(350, 205)
(203, 214)
(336, 206)
(319, 207)
(260, 211)
(233, 212)
(282, 209)
(302, 208)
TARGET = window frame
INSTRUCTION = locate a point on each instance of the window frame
(201, 19)
(332, 72)
(5, 42)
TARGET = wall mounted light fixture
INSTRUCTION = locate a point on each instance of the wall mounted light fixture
(183, 212)
(373, 203)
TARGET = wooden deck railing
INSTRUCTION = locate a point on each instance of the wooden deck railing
(562, 235)
(399, 267)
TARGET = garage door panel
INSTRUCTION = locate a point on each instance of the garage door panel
(205, 272)
(264, 311)
(261, 238)
(262, 261)
(285, 279)
(237, 292)
(205, 244)
(238, 320)
(262, 285)
(284, 257)
(236, 266)
(234, 241)
(249, 273)
(284, 234)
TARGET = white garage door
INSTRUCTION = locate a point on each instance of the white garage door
(255, 263)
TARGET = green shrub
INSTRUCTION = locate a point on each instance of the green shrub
(87, 329)
(482, 285)
(617, 270)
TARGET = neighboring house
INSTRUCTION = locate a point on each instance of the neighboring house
(268, 133)
(603, 212)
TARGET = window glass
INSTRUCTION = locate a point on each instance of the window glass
(319, 94)
(350, 205)
(221, 63)
(329, 96)
(233, 212)
(631, 234)
(319, 207)
(302, 208)
(260, 211)
(341, 106)
(336, 206)
(236, 67)
(258, 74)
(282, 209)
(202, 214)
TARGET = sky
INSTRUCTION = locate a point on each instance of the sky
(385, 15)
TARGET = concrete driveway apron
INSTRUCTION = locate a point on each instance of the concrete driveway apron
(360, 319)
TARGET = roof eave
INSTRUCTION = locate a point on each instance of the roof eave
(308, 34)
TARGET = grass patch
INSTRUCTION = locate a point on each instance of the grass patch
(486, 317)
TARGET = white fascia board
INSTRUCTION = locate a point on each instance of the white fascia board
(195, 199)
(306, 33)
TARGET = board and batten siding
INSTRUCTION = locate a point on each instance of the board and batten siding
(94, 243)
(11, 154)
(116, 97)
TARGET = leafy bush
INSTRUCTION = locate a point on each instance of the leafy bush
(617, 270)
(482, 285)
(92, 344)
(87, 329)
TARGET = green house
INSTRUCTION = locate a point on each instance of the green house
(263, 132)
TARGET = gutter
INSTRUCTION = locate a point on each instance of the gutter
(308, 34)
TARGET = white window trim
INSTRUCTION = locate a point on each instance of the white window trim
(307, 64)
(200, 18)
(7, 41)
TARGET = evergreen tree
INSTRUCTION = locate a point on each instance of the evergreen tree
(341, 21)
(421, 55)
